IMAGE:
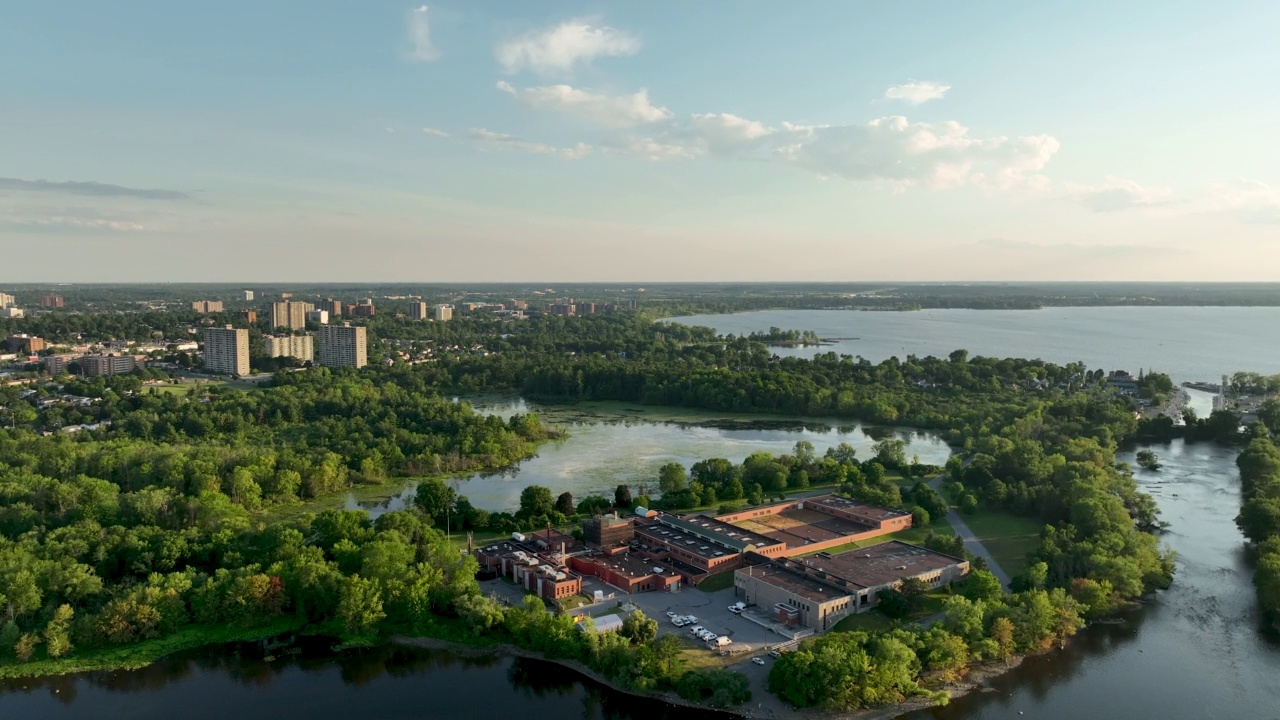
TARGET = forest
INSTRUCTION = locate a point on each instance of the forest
(160, 522)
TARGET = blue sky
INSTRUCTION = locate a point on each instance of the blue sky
(337, 141)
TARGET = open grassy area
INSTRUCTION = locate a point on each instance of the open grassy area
(870, 621)
(1007, 537)
(718, 581)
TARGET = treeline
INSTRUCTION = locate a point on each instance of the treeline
(80, 590)
(1259, 518)
(849, 670)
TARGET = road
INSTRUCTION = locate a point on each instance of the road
(971, 542)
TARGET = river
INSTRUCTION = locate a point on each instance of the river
(1188, 343)
(1193, 653)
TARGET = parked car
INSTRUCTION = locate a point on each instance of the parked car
(678, 622)
(696, 629)
(671, 615)
(758, 660)
(735, 609)
(775, 654)
(691, 618)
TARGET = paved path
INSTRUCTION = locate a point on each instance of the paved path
(971, 542)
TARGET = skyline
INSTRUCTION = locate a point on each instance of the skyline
(397, 142)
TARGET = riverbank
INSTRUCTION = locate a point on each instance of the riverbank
(769, 706)
(142, 654)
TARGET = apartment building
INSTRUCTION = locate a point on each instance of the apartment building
(342, 346)
(226, 351)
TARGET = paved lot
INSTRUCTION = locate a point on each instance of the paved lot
(712, 611)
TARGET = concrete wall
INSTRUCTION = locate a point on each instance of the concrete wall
(818, 616)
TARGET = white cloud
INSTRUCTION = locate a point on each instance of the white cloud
(616, 111)
(917, 92)
(1248, 201)
(420, 35)
(434, 132)
(501, 141)
(1114, 194)
(559, 49)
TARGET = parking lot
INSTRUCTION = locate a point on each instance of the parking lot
(712, 611)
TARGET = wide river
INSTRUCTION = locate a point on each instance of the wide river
(1194, 652)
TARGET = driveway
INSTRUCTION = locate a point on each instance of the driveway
(712, 611)
(971, 542)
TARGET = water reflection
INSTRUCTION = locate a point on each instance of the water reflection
(315, 681)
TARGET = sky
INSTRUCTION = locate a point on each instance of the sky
(338, 141)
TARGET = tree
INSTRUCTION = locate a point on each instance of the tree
(920, 517)
(804, 453)
(1002, 632)
(672, 478)
(564, 504)
(57, 633)
(535, 501)
(360, 605)
(622, 497)
(981, 585)
(434, 498)
(1148, 460)
(891, 452)
(26, 646)
(639, 629)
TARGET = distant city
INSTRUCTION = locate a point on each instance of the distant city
(242, 333)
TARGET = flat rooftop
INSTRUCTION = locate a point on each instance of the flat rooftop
(730, 535)
(877, 565)
(873, 514)
(629, 565)
(795, 582)
(659, 535)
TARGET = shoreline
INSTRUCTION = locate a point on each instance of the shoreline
(973, 681)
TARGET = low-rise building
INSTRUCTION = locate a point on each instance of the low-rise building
(817, 591)
(100, 365)
(12, 312)
(627, 571)
(541, 572)
(607, 530)
(25, 344)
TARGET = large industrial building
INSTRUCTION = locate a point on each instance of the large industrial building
(817, 591)
(226, 350)
(819, 523)
(342, 346)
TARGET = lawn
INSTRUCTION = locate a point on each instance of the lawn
(914, 536)
(1007, 537)
(869, 621)
(718, 581)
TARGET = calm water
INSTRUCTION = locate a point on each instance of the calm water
(609, 445)
(391, 684)
(1195, 653)
(1188, 343)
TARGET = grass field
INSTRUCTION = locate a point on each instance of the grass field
(183, 386)
(1007, 537)
(718, 581)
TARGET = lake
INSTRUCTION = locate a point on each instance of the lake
(1188, 343)
(611, 444)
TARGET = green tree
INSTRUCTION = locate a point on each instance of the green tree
(672, 478)
(564, 504)
(360, 605)
(57, 633)
(639, 629)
